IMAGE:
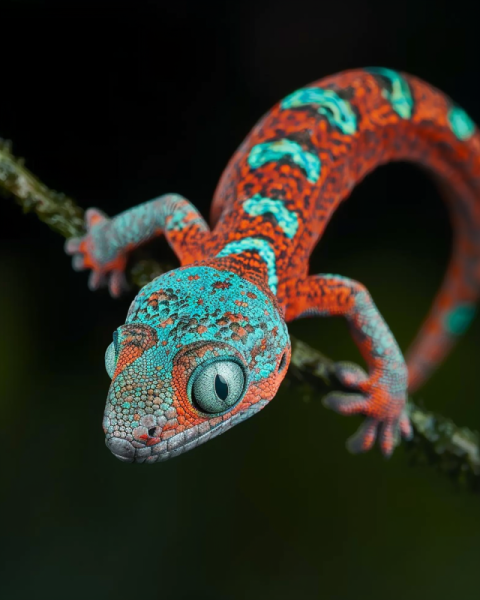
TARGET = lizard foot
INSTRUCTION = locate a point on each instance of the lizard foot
(380, 401)
(96, 252)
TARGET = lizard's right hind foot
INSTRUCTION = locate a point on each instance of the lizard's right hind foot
(386, 415)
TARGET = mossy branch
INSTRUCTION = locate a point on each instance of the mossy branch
(57, 210)
(437, 440)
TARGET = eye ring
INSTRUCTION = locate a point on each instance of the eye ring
(283, 362)
(110, 360)
(115, 341)
(111, 355)
(224, 379)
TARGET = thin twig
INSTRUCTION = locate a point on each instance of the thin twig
(58, 211)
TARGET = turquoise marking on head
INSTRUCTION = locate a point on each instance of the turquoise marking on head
(461, 124)
(458, 319)
(264, 250)
(287, 219)
(184, 287)
(180, 324)
(400, 96)
(274, 151)
(338, 111)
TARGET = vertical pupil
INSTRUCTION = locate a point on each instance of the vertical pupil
(221, 387)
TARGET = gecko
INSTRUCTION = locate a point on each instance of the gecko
(206, 345)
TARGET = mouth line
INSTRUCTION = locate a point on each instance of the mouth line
(179, 443)
(122, 458)
(174, 446)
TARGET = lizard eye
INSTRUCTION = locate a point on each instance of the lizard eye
(110, 360)
(217, 387)
(111, 356)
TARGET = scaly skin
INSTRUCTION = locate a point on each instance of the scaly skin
(206, 345)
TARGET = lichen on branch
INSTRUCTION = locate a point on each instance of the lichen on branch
(58, 211)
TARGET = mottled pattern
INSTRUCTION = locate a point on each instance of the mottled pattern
(381, 396)
(288, 151)
(212, 333)
(459, 318)
(462, 125)
(286, 219)
(338, 111)
(397, 91)
(264, 250)
(106, 248)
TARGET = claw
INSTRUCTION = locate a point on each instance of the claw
(72, 245)
(364, 438)
(117, 283)
(78, 263)
(350, 374)
(96, 280)
(388, 437)
(344, 403)
(406, 428)
(94, 216)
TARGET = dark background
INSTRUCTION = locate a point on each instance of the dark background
(114, 104)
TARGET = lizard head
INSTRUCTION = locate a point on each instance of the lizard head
(201, 350)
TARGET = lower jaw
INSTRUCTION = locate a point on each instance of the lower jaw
(177, 445)
(172, 447)
(164, 451)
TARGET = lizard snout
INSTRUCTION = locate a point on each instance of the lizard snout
(122, 449)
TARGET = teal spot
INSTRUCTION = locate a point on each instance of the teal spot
(176, 222)
(458, 319)
(338, 111)
(274, 151)
(461, 124)
(264, 250)
(287, 219)
(126, 405)
(399, 95)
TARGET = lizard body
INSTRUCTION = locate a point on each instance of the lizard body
(206, 345)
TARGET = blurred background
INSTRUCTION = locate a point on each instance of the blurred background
(115, 104)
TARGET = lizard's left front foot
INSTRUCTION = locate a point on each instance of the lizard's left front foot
(96, 251)
(381, 398)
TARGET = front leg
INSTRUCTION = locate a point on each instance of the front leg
(105, 247)
(382, 393)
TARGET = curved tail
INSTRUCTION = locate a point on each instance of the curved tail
(454, 306)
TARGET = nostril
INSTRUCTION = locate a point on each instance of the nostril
(151, 431)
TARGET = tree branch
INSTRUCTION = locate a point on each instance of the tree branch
(437, 441)
(57, 210)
